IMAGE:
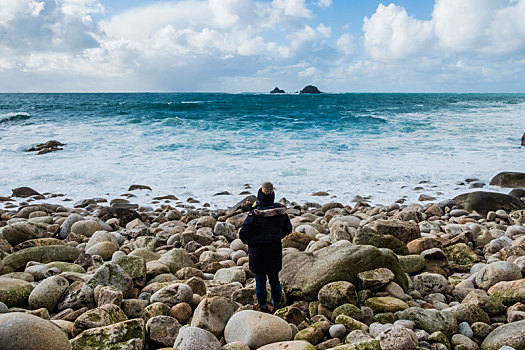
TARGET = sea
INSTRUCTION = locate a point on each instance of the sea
(382, 147)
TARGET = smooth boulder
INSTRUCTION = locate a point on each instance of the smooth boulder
(510, 334)
(256, 329)
(194, 338)
(304, 274)
(483, 202)
(509, 179)
(28, 332)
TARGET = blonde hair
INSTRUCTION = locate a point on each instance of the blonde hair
(267, 188)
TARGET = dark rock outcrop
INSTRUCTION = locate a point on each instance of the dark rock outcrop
(483, 202)
(49, 146)
(517, 192)
(310, 89)
(523, 140)
(277, 91)
(139, 187)
(24, 192)
(509, 179)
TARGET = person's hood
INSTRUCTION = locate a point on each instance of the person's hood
(270, 211)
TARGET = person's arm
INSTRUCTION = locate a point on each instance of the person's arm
(287, 227)
(246, 229)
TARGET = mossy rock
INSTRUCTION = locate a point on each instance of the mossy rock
(439, 337)
(412, 263)
(14, 292)
(337, 293)
(350, 323)
(313, 308)
(39, 242)
(45, 254)
(385, 317)
(124, 335)
(297, 240)
(349, 310)
(290, 314)
(462, 255)
(369, 345)
(386, 304)
(367, 236)
(66, 267)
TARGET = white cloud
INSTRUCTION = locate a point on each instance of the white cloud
(324, 3)
(13, 9)
(345, 43)
(391, 34)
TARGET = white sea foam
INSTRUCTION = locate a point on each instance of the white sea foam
(199, 159)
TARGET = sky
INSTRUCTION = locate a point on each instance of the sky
(255, 45)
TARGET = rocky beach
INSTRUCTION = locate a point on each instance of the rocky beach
(115, 275)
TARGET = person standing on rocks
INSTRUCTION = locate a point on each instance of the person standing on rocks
(263, 230)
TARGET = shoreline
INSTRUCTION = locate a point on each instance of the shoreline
(402, 276)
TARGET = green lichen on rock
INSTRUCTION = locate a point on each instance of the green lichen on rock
(462, 255)
(45, 254)
(66, 267)
(124, 335)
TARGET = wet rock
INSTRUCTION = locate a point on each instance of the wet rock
(483, 202)
(23, 331)
(47, 147)
(509, 179)
(24, 192)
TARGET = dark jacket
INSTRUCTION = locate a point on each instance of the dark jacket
(263, 230)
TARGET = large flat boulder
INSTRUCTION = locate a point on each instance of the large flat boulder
(509, 179)
(45, 254)
(304, 274)
(483, 202)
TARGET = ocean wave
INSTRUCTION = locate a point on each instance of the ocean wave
(13, 117)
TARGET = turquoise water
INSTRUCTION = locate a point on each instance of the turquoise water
(195, 145)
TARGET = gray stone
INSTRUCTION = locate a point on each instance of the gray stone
(256, 329)
(99, 317)
(497, 272)
(213, 313)
(176, 259)
(127, 335)
(173, 294)
(428, 283)
(48, 293)
(14, 292)
(86, 227)
(304, 274)
(28, 332)
(194, 338)
(430, 320)
(45, 254)
(510, 334)
(111, 274)
(398, 338)
(162, 331)
(65, 228)
(229, 275)
(337, 293)
(19, 232)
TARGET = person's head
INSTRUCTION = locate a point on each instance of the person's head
(266, 195)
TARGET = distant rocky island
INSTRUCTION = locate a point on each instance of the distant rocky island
(309, 89)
